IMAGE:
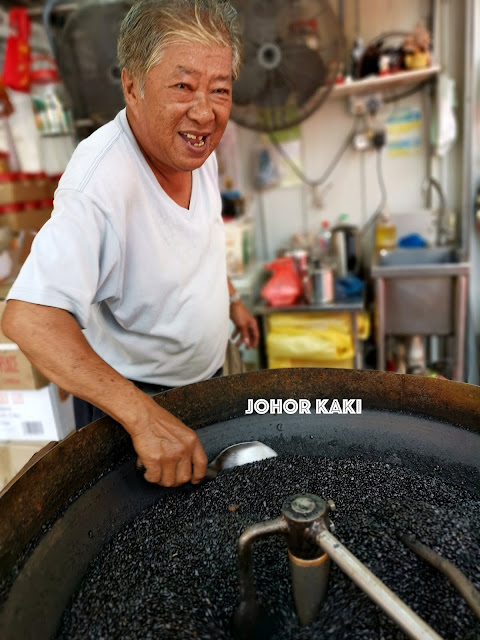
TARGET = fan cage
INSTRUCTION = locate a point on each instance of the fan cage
(293, 53)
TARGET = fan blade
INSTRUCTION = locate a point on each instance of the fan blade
(303, 71)
(87, 59)
(251, 80)
(276, 92)
(294, 51)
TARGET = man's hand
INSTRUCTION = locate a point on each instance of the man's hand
(246, 328)
(170, 452)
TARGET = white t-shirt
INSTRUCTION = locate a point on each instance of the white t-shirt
(145, 278)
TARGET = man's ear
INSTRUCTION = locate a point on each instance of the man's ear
(130, 89)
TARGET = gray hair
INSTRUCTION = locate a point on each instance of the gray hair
(151, 25)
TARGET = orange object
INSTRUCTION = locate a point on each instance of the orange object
(5, 110)
(285, 286)
(16, 68)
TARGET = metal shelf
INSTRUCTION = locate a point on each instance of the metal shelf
(374, 84)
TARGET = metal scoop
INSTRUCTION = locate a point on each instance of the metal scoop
(233, 456)
(236, 455)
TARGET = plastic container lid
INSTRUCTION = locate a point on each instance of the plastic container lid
(10, 207)
(24, 175)
(44, 76)
(29, 205)
(46, 203)
(8, 176)
(38, 175)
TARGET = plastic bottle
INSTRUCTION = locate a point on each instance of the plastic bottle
(416, 355)
(324, 238)
(356, 55)
(53, 118)
(385, 232)
(25, 136)
(401, 353)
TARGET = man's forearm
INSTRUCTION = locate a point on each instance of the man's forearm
(52, 340)
(54, 343)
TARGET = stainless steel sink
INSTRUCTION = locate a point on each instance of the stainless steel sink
(429, 255)
(420, 290)
(423, 261)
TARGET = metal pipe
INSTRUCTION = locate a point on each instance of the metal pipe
(245, 552)
(381, 327)
(309, 585)
(309, 566)
(247, 615)
(470, 88)
(441, 230)
(461, 302)
(456, 577)
(393, 606)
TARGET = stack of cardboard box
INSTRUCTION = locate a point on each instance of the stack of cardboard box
(33, 411)
(26, 202)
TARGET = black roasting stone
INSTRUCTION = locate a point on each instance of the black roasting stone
(171, 572)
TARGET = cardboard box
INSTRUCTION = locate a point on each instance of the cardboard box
(21, 187)
(42, 415)
(16, 372)
(26, 219)
(14, 455)
(238, 246)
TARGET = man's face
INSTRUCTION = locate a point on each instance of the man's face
(186, 105)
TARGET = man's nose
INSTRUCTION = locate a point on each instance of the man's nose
(201, 109)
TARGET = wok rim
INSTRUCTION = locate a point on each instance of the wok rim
(42, 490)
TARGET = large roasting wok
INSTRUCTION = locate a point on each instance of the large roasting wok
(59, 513)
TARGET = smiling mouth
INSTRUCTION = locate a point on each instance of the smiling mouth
(194, 140)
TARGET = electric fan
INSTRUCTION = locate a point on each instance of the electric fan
(292, 53)
(85, 46)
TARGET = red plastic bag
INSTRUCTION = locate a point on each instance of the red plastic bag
(285, 286)
(16, 67)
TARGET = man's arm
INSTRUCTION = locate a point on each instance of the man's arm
(54, 343)
(246, 327)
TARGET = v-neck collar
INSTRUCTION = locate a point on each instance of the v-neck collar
(123, 121)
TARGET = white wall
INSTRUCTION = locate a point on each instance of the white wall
(353, 186)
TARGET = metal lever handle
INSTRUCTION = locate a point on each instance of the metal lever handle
(465, 587)
(393, 606)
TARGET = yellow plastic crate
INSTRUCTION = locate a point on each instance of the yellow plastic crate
(279, 363)
(319, 321)
(294, 344)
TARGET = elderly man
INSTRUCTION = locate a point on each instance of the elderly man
(125, 292)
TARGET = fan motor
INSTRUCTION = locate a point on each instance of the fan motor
(269, 55)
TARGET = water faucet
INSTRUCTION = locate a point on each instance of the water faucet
(442, 230)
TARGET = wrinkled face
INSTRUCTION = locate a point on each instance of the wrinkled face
(185, 108)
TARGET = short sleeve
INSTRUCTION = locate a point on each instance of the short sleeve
(74, 259)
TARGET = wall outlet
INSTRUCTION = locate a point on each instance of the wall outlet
(368, 104)
(369, 139)
(362, 141)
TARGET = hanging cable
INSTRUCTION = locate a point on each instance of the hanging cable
(381, 181)
(329, 170)
(383, 194)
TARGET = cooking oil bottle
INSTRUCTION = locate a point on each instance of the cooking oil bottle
(385, 231)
